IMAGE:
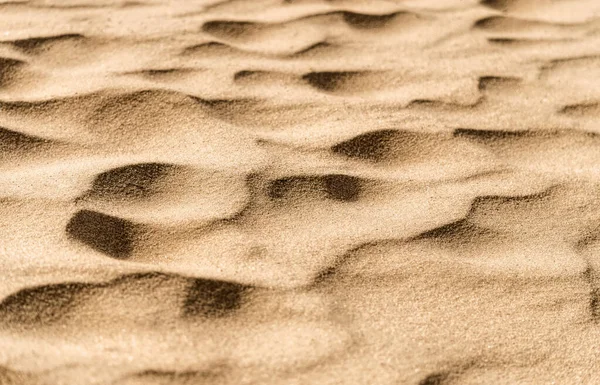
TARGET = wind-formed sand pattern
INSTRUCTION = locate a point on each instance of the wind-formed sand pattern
(340, 192)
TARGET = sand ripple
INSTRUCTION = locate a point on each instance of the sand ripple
(299, 191)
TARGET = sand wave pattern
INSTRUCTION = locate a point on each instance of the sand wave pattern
(293, 192)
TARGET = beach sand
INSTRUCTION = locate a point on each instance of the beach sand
(299, 192)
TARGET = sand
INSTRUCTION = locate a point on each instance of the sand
(299, 192)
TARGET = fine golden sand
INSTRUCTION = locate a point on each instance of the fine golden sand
(340, 192)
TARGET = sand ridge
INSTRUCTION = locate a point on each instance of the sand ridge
(299, 191)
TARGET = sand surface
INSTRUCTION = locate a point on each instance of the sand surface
(299, 192)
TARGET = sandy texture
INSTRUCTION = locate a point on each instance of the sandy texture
(299, 192)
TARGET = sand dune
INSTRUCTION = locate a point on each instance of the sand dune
(299, 192)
